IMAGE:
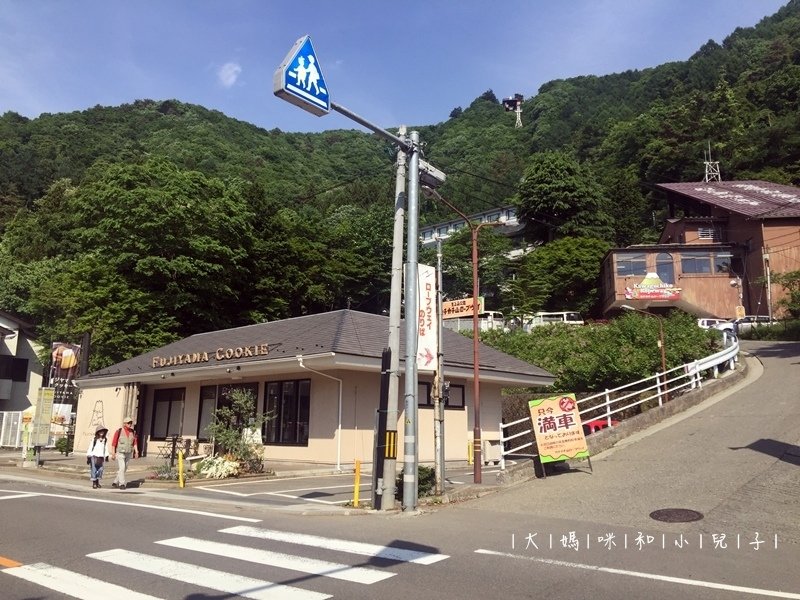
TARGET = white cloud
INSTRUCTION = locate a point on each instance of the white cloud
(228, 73)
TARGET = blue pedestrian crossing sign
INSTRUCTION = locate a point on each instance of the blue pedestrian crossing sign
(299, 79)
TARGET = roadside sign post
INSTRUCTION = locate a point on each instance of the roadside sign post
(299, 81)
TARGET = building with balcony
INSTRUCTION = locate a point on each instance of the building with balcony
(507, 215)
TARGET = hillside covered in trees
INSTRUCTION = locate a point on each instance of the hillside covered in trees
(157, 219)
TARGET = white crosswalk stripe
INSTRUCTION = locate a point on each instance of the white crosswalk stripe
(72, 584)
(361, 548)
(280, 560)
(246, 587)
(84, 587)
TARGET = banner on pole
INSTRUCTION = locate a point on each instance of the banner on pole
(428, 321)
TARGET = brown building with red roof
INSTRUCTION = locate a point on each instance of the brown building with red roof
(722, 242)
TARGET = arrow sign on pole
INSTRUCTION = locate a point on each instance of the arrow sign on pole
(299, 79)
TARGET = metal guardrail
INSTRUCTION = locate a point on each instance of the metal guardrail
(615, 401)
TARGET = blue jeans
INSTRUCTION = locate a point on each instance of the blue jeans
(95, 469)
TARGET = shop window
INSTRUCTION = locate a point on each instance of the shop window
(665, 268)
(208, 404)
(213, 397)
(288, 404)
(424, 397)
(455, 397)
(696, 262)
(631, 264)
(167, 413)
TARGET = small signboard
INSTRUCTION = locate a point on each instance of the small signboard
(299, 80)
(652, 288)
(40, 427)
(452, 309)
(740, 312)
(558, 429)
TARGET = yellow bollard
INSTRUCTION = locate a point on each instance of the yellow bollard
(180, 468)
(470, 453)
(357, 483)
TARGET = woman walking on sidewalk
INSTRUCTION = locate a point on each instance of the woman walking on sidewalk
(97, 454)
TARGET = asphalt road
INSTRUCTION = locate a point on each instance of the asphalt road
(574, 535)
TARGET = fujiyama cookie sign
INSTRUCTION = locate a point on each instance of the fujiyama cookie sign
(221, 354)
(557, 427)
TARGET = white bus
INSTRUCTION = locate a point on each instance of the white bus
(550, 318)
(487, 320)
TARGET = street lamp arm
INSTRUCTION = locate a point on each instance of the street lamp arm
(429, 191)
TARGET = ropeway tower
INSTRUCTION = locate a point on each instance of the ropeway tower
(514, 103)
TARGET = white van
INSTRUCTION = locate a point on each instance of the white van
(491, 319)
(487, 320)
(551, 318)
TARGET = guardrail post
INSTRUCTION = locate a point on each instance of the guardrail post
(608, 407)
(658, 390)
(502, 447)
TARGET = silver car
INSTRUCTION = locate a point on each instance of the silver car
(746, 323)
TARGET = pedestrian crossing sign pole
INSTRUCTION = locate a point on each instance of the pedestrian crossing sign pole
(299, 79)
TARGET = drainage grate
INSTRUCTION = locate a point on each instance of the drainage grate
(676, 515)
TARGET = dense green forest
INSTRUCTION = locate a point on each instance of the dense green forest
(154, 220)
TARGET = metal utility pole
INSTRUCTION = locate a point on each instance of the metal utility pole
(768, 272)
(438, 382)
(476, 395)
(392, 413)
(410, 425)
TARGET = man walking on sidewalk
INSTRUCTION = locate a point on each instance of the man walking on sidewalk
(124, 445)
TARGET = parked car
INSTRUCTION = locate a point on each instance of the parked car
(746, 323)
(709, 323)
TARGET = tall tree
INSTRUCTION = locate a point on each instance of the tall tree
(561, 275)
(559, 197)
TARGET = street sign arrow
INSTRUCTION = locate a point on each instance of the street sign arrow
(299, 79)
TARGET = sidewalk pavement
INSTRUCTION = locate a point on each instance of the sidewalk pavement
(56, 464)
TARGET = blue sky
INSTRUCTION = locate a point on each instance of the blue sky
(390, 62)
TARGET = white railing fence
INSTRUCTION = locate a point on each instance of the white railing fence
(12, 426)
(597, 411)
(11, 429)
